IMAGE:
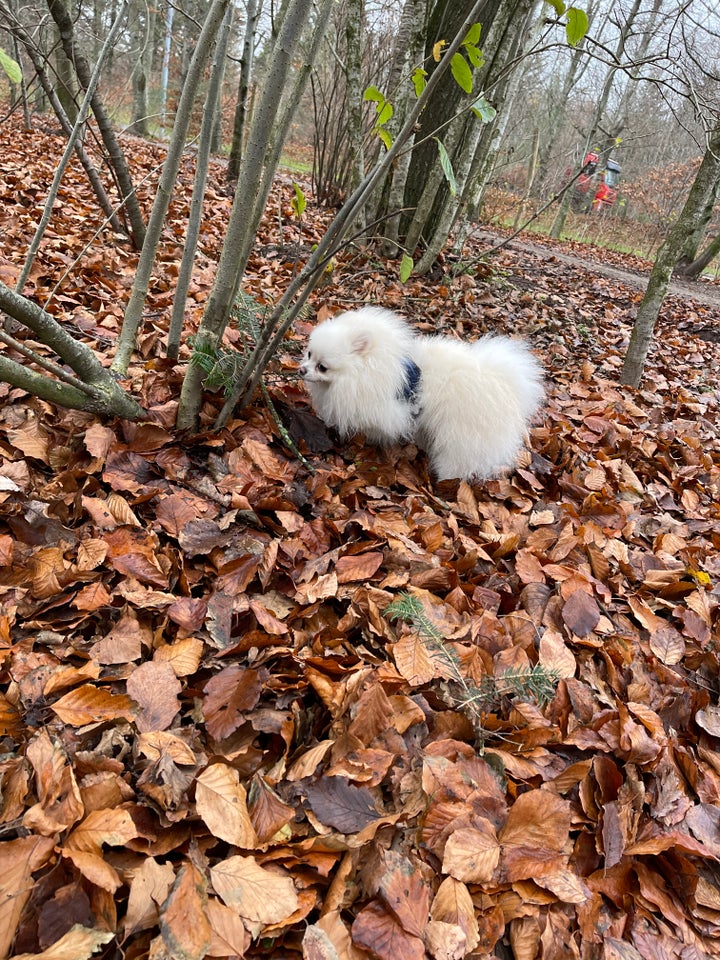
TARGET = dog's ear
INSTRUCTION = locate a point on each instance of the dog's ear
(361, 342)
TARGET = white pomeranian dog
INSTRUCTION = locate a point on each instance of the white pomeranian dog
(468, 405)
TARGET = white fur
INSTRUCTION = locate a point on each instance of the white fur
(475, 403)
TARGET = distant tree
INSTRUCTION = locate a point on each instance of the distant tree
(692, 261)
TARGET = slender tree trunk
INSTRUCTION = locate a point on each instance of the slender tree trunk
(44, 84)
(407, 54)
(692, 270)
(212, 102)
(165, 72)
(476, 144)
(667, 257)
(133, 311)
(65, 85)
(93, 388)
(353, 84)
(256, 172)
(690, 262)
(529, 179)
(23, 86)
(60, 15)
(241, 106)
(142, 32)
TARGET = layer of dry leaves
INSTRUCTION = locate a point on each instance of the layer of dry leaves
(215, 742)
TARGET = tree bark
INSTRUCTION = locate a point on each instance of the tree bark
(475, 144)
(133, 311)
(142, 32)
(60, 15)
(692, 270)
(691, 263)
(407, 54)
(256, 171)
(353, 81)
(642, 333)
(212, 103)
(241, 106)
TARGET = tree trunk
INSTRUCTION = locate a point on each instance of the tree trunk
(65, 85)
(255, 176)
(93, 388)
(353, 82)
(691, 263)
(474, 144)
(241, 106)
(165, 71)
(407, 54)
(667, 257)
(212, 103)
(133, 311)
(60, 15)
(691, 271)
(142, 33)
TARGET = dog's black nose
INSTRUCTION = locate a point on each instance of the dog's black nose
(302, 370)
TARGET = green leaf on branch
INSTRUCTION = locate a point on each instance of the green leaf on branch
(558, 6)
(462, 72)
(419, 81)
(447, 168)
(577, 25)
(406, 268)
(11, 67)
(475, 56)
(384, 111)
(372, 93)
(484, 110)
(473, 35)
(298, 202)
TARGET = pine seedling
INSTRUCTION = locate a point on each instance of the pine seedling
(536, 683)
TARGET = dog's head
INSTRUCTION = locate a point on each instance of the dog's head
(335, 351)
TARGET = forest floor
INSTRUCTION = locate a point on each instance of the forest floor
(255, 706)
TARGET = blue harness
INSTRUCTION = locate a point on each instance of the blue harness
(409, 389)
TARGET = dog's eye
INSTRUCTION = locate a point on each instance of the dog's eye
(321, 368)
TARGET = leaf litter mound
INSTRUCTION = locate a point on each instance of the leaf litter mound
(247, 710)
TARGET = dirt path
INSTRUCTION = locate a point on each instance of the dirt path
(705, 292)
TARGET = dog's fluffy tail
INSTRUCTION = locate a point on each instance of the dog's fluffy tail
(513, 360)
